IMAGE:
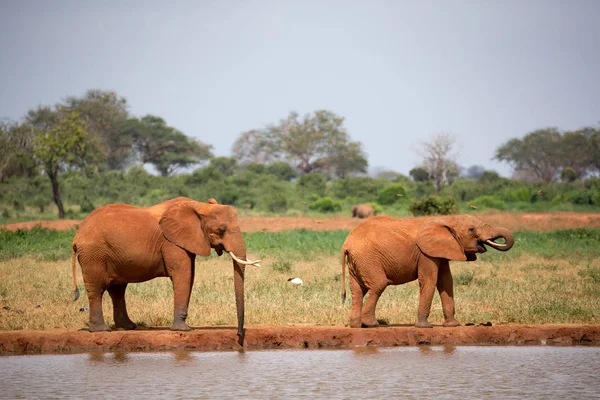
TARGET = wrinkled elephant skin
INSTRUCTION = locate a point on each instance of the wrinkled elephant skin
(384, 251)
(120, 244)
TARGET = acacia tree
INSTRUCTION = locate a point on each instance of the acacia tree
(438, 159)
(15, 155)
(105, 114)
(156, 143)
(546, 154)
(313, 143)
(59, 145)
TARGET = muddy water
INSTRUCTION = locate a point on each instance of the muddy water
(408, 372)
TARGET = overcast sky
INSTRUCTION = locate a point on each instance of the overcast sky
(398, 71)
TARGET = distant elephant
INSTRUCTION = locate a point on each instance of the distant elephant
(119, 244)
(384, 251)
(363, 211)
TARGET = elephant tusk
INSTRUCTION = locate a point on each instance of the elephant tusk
(244, 262)
(492, 243)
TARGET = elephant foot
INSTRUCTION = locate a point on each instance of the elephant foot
(355, 323)
(102, 327)
(451, 322)
(422, 322)
(127, 326)
(370, 323)
(180, 326)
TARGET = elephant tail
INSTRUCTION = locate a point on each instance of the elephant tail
(344, 256)
(74, 266)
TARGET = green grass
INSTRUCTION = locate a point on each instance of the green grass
(44, 244)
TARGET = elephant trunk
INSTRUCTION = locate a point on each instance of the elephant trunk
(509, 240)
(238, 282)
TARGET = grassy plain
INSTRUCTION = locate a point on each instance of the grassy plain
(548, 277)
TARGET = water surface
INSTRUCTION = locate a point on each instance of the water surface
(474, 372)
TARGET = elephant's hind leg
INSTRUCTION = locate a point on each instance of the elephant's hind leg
(368, 312)
(95, 293)
(122, 320)
(358, 293)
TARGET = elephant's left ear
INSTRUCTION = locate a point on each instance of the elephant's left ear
(181, 225)
(438, 240)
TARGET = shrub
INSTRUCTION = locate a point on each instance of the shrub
(326, 205)
(489, 202)
(434, 205)
(515, 195)
(579, 197)
(377, 209)
(277, 203)
(389, 194)
(361, 189)
(311, 183)
(86, 206)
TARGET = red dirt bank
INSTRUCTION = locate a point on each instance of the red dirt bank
(293, 337)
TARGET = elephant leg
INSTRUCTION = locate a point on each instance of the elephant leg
(122, 320)
(445, 286)
(183, 279)
(427, 275)
(95, 293)
(358, 293)
(368, 311)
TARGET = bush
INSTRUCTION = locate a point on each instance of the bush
(434, 205)
(86, 206)
(277, 203)
(489, 202)
(362, 189)
(325, 205)
(377, 209)
(389, 194)
(311, 183)
(515, 195)
(579, 197)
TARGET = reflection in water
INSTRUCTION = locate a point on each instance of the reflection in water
(466, 372)
(426, 349)
(365, 350)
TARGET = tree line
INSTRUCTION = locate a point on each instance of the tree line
(91, 140)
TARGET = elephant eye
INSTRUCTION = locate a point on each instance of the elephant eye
(472, 229)
(222, 230)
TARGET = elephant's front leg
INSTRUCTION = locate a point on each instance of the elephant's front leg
(122, 320)
(183, 278)
(445, 286)
(427, 275)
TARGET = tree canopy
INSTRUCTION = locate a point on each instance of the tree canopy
(438, 159)
(164, 147)
(547, 154)
(314, 143)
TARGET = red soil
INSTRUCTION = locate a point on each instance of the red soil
(298, 337)
(511, 221)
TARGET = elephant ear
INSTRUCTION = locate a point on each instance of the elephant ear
(181, 225)
(438, 240)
